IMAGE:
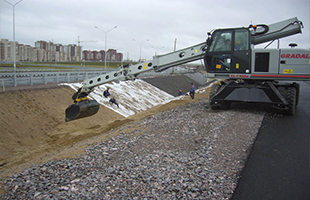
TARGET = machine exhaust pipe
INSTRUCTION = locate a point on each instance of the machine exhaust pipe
(81, 109)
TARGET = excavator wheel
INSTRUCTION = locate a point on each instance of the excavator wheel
(224, 105)
(81, 109)
(214, 89)
(291, 97)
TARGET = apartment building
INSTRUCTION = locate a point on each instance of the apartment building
(6, 50)
(112, 55)
(44, 51)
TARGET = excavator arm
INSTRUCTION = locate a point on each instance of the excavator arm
(84, 107)
(159, 63)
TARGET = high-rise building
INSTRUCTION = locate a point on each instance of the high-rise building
(4, 49)
(102, 53)
(7, 50)
(119, 57)
(111, 55)
(49, 52)
(41, 45)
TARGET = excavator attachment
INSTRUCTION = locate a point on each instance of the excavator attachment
(82, 109)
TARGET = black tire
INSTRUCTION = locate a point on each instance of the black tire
(282, 91)
(291, 97)
(297, 86)
(214, 89)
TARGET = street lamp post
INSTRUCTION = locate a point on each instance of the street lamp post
(140, 46)
(105, 46)
(13, 5)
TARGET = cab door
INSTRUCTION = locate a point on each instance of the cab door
(241, 52)
(229, 51)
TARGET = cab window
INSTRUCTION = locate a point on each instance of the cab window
(241, 40)
(221, 42)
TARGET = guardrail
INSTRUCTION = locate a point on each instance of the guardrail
(18, 70)
(37, 77)
(34, 78)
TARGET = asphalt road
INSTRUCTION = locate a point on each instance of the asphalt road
(279, 164)
(172, 84)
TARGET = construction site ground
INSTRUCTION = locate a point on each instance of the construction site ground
(33, 128)
(33, 131)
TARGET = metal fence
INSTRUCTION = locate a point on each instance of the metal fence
(41, 77)
(34, 78)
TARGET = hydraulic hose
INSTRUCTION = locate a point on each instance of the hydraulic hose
(264, 26)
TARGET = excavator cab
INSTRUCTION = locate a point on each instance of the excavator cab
(253, 75)
(229, 51)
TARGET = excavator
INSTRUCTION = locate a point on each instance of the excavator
(247, 74)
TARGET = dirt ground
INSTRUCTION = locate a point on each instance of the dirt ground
(33, 128)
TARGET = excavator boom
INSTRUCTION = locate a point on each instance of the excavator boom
(238, 60)
(85, 107)
(278, 30)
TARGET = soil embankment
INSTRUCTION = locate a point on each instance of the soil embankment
(33, 129)
(32, 125)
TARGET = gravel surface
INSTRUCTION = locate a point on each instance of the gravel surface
(189, 152)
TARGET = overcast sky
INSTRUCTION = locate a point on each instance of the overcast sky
(159, 21)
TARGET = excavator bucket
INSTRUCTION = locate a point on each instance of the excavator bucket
(82, 109)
